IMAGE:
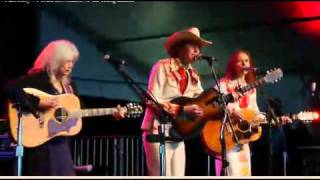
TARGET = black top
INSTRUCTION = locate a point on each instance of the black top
(52, 158)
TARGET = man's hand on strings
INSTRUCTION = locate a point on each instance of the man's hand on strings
(236, 96)
(193, 110)
(284, 120)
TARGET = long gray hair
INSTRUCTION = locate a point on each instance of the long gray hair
(53, 56)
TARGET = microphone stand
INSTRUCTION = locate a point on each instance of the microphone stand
(226, 119)
(22, 103)
(270, 115)
(284, 152)
(163, 115)
(19, 147)
(283, 142)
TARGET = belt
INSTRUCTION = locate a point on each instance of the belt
(156, 138)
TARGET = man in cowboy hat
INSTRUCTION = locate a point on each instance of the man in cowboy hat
(171, 78)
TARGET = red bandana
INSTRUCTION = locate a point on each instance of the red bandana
(183, 80)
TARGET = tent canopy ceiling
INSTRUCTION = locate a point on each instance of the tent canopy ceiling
(138, 30)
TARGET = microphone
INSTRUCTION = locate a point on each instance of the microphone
(208, 58)
(115, 61)
(254, 69)
(250, 69)
(313, 88)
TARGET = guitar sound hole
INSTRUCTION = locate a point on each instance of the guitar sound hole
(61, 115)
(244, 125)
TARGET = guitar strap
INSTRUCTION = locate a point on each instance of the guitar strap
(67, 88)
(155, 138)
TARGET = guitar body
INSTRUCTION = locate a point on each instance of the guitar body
(64, 120)
(187, 127)
(243, 132)
(210, 101)
(210, 137)
(242, 128)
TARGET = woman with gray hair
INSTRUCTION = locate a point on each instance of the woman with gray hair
(51, 74)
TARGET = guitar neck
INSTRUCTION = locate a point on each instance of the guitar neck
(294, 116)
(304, 116)
(248, 87)
(97, 112)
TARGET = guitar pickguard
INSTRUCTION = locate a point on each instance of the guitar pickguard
(54, 127)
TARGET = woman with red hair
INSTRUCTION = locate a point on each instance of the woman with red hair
(238, 74)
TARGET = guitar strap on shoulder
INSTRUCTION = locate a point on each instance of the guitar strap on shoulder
(67, 88)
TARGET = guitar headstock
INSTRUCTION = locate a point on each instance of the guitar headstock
(273, 75)
(306, 116)
(133, 110)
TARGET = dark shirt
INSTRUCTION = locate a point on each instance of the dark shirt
(52, 158)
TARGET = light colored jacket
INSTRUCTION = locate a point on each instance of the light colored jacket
(227, 86)
(164, 85)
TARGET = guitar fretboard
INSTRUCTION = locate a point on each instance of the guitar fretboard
(97, 112)
(248, 87)
(306, 117)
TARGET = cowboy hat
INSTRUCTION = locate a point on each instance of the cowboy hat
(192, 34)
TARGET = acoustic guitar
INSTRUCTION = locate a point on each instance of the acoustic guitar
(210, 100)
(63, 120)
(243, 130)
